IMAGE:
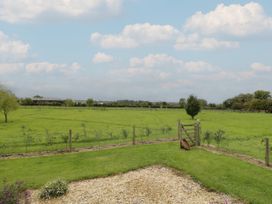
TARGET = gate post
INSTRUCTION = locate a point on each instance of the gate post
(197, 133)
(179, 133)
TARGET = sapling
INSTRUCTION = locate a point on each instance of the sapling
(85, 133)
(219, 136)
(49, 138)
(65, 138)
(148, 131)
(208, 137)
(124, 133)
(27, 137)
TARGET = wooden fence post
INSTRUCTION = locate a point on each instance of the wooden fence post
(267, 151)
(133, 135)
(70, 140)
(197, 133)
(179, 135)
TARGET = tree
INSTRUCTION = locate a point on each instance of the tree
(69, 103)
(90, 102)
(26, 101)
(182, 102)
(8, 102)
(192, 106)
(203, 103)
(262, 95)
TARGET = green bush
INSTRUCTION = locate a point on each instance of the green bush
(208, 137)
(54, 189)
(11, 193)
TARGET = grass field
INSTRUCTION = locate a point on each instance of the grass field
(244, 131)
(217, 172)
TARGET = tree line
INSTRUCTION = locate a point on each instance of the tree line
(260, 101)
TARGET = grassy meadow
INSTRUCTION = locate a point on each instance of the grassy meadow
(251, 183)
(45, 128)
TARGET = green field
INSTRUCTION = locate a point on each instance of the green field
(244, 131)
(217, 172)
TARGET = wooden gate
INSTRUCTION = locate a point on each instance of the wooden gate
(190, 132)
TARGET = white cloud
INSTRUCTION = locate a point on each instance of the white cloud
(259, 67)
(102, 58)
(28, 10)
(166, 62)
(46, 67)
(162, 67)
(199, 66)
(235, 19)
(135, 35)
(195, 42)
(11, 49)
(10, 68)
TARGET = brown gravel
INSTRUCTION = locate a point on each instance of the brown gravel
(150, 185)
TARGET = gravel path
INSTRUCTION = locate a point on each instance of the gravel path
(150, 185)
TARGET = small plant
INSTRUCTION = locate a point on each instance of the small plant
(27, 137)
(76, 137)
(54, 189)
(163, 130)
(65, 138)
(85, 133)
(97, 135)
(49, 138)
(208, 137)
(110, 134)
(148, 131)
(125, 133)
(168, 129)
(11, 193)
(219, 136)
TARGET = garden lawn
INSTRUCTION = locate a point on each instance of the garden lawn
(217, 172)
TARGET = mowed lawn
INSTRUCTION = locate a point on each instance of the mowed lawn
(244, 131)
(251, 183)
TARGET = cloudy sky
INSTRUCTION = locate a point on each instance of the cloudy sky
(135, 49)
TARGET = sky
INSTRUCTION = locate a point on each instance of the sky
(155, 50)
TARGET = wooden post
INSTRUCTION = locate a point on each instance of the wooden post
(197, 133)
(179, 135)
(133, 135)
(70, 140)
(267, 151)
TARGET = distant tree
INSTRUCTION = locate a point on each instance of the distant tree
(182, 102)
(192, 106)
(37, 96)
(203, 103)
(262, 95)
(69, 103)
(26, 101)
(8, 102)
(164, 104)
(90, 102)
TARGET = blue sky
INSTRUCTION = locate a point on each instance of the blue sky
(135, 49)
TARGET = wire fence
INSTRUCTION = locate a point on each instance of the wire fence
(258, 147)
(40, 140)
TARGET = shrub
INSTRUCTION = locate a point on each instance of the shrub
(148, 131)
(219, 136)
(10, 193)
(54, 189)
(125, 133)
(208, 137)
